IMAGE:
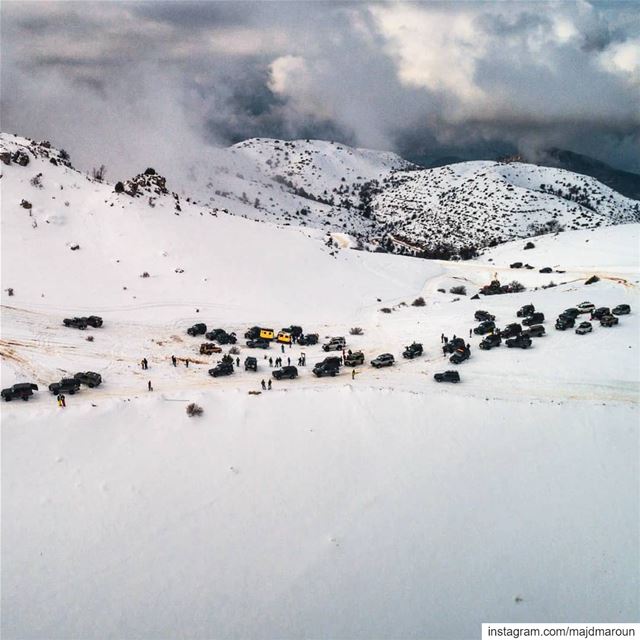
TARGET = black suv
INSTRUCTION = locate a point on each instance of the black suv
(412, 351)
(535, 331)
(484, 327)
(608, 321)
(198, 329)
(621, 310)
(22, 390)
(221, 369)
(572, 312)
(250, 363)
(447, 376)
(258, 343)
(565, 322)
(66, 385)
(94, 321)
(511, 330)
(308, 339)
(482, 316)
(493, 340)
(76, 323)
(221, 336)
(285, 372)
(534, 318)
(452, 345)
(525, 311)
(460, 355)
(353, 359)
(523, 341)
(328, 367)
(90, 378)
(599, 312)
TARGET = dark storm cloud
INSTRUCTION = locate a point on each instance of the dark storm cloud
(455, 79)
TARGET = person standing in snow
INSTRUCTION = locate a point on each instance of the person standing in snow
(471, 333)
(174, 361)
(282, 348)
(270, 361)
(59, 400)
(446, 339)
(63, 400)
(149, 386)
(289, 361)
(269, 384)
(237, 362)
(353, 374)
(442, 338)
(263, 384)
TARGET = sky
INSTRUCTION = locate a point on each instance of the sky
(130, 84)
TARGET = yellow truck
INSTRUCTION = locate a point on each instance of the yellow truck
(283, 337)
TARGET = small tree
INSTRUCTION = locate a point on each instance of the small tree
(459, 290)
(356, 331)
(194, 409)
(99, 173)
(418, 302)
(516, 287)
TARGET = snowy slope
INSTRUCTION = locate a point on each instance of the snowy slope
(384, 506)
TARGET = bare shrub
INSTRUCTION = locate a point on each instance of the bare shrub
(385, 310)
(234, 350)
(516, 287)
(194, 409)
(418, 302)
(145, 274)
(356, 331)
(459, 290)
(89, 338)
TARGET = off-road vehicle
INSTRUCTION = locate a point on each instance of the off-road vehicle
(90, 378)
(493, 340)
(482, 316)
(221, 369)
(76, 323)
(526, 310)
(484, 328)
(294, 330)
(452, 345)
(221, 336)
(207, 348)
(66, 385)
(258, 343)
(447, 376)
(22, 390)
(585, 307)
(599, 312)
(94, 321)
(460, 355)
(328, 367)
(198, 329)
(511, 330)
(571, 312)
(534, 318)
(522, 341)
(289, 372)
(250, 363)
(621, 310)
(535, 331)
(354, 359)
(308, 339)
(412, 351)
(564, 322)
(546, 270)
(515, 265)
(383, 360)
(584, 328)
(334, 344)
(608, 321)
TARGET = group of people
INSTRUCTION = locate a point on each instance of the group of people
(265, 385)
(62, 402)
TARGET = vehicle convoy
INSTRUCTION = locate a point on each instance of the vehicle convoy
(447, 376)
(76, 323)
(599, 312)
(383, 360)
(565, 322)
(511, 330)
(522, 341)
(250, 363)
(90, 378)
(583, 328)
(334, 344)
(258, 343)
(21, 390)
(221, 369)
(526, 310)
(259, 332)
(285, 372)
(483, 316)
(460, 355)
(328, 367)
(534, 331)
(585, 307)
(452, 345)
(354, 358)
(308, 339)
(66, 385)
(485, 327)
(492, 340)
(621, 310)
(609, 321)
(284, 337)
(221, 336)
(534, 318)
(198, 329)
(412, 351)
(207, 348)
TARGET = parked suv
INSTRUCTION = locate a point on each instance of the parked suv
(221, 369)
(412, 351)
(511, 330)
(621, 310)
(94, 321)
(383, 360)
(258, 343)
(535, 331)
(482, 316)
(353, 359)
(585, 307)
(328, 367)
(452, 345)
(599, 312)
(285, 372)
(522, 341)
(250, 363)
(525, 311)
(197, 329)
(308, 339)
(22, 390)
(535, 318)
(608, 321)
(565, 322)
(334, 344)
(492, 340)
(484, 328)
(90, 378)
(460, 355)
(76, 323)
(447, 376)
(66, 385)
(584, 328)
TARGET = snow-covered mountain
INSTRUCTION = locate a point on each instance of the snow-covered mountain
(375, 505)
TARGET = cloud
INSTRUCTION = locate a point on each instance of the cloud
(125, 83)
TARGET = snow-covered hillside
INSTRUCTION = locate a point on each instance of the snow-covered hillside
(380, 505)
